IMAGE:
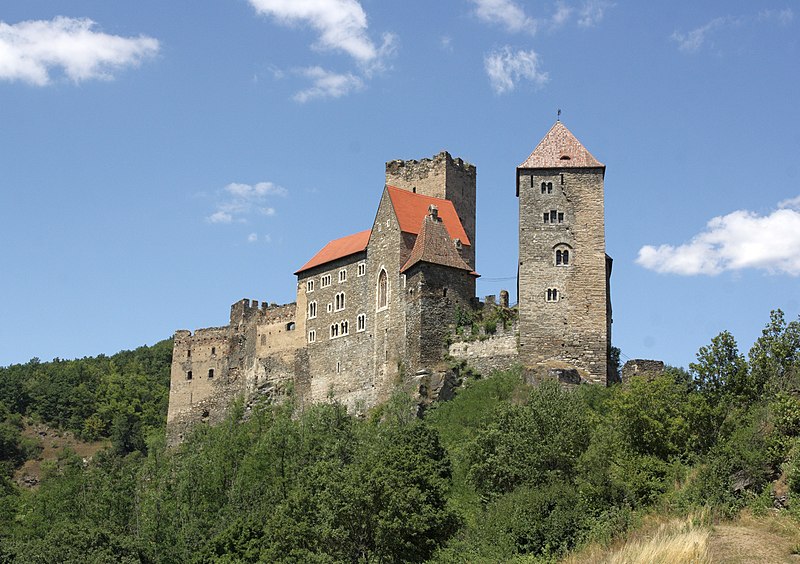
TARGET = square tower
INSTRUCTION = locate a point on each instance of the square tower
(564, 303)
(443, 177)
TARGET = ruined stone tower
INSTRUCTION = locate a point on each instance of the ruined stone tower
(564, 303)
(441, 177)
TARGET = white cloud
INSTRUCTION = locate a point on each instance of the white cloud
(241, 200)
(252, 238)
(739, 240)
(31, 50)
(506, 68)
(592, 12)
(506, 13)
(220, 216)
(341, 24)
(692, 41)
(327, 84)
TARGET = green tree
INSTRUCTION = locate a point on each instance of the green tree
(721, 370)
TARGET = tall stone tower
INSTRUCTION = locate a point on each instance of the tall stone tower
(564, 272)
(441, 177)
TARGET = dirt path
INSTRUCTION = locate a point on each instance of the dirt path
(764, 540)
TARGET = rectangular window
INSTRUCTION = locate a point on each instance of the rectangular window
(326, 281)
(210, 372)
(310, 286)
(553, 216)
(312, 336)
(343, 275)
(561, 217)
(546, 217)
(330, 308)
(362, 268)
(361, 322)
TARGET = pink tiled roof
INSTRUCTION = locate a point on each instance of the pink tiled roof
(339, 248)
(560, 149)
(411, 209)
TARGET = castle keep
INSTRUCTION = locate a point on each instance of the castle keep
(376, 309)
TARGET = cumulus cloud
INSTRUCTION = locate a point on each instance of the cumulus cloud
(238, 201)
(693, 40)
(506, 68)
(327, 84)
(252, 238)
(341, 24)
(739, 240)
(31, 50)
(505, 13)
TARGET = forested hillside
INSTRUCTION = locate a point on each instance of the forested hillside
(503, 472)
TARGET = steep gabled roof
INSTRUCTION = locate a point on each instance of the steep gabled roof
(339, 248)
(411, 209)
(434, 245)
(560, 149)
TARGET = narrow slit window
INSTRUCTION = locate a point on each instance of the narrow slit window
(383, 290)
(210, 372)
(189, 375)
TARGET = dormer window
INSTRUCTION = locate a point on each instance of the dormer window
(564, 157)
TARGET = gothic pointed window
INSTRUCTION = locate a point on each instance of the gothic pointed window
(383, 290)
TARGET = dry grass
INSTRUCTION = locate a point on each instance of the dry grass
(656, 542)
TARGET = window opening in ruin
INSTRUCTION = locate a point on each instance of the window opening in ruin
(362, 268)
(312, 310)
(310, 286)
(361, 322)
(290, 326)
(326, 281)
(552, 295)
(334, 330)
(210, 372)
(312, 336)
(343, 275)
(189, 375)
(383, 290)
(339, 302)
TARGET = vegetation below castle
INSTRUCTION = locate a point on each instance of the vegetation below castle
(504, 471)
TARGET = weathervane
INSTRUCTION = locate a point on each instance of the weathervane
(558, 117)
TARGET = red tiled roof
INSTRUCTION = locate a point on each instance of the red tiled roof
(560, 149)
(411, 209)
(434, 245)
(339, 248)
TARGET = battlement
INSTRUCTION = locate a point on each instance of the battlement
(246, 310)
(422, 168)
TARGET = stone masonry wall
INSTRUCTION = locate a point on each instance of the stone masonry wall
(574, 328)
(488, 354)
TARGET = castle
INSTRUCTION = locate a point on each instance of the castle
(376, 309)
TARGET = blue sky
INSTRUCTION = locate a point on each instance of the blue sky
(161, 160)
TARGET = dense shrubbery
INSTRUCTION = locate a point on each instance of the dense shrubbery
(122, 397)
(503, 471)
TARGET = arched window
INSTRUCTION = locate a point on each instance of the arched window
(562, 254)
(544, 187)
(339, 301)
(383, 290)
(345, 327)
(552, 295)
(312, 310)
